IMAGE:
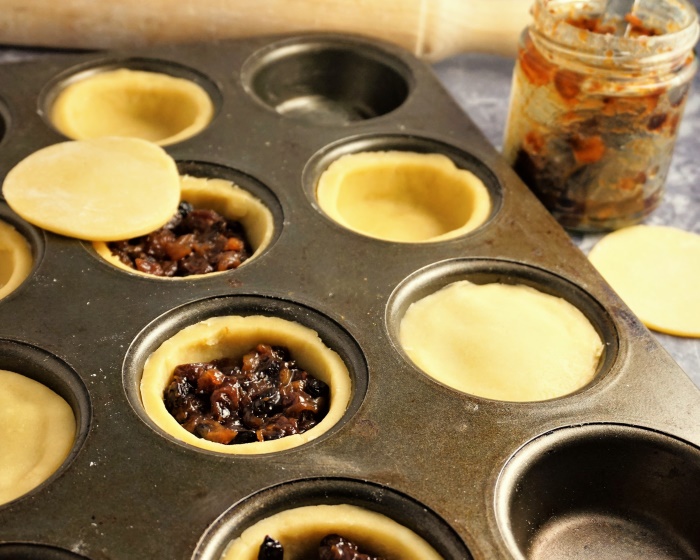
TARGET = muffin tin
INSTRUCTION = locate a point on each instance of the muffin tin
(613, 468)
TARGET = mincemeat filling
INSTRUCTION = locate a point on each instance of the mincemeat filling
(332, 547)
(263, 396)
(194, 241)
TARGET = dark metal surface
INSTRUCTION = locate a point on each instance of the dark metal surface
(131, 493)
(602, 491)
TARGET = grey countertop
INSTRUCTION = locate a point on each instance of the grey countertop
(481, 86)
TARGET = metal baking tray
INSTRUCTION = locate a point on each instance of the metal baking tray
(613, 468)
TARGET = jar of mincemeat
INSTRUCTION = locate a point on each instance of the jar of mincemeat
(595, 107)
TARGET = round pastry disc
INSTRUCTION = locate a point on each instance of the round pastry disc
(656, 272)
(501, 341)
(105, 189)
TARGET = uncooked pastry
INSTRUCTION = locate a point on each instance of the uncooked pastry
(106, 189)
(227, 199)
(15, 259)
(300, 531)
(656, 272)
(403, 196)
(123, 102)
(500, 341)
(37, 432)
(233, 336)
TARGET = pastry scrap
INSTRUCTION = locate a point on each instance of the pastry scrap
(98, 190)
(229, 340)
(656, 272)
(403, 196)
(218, 227)
(502, 342)
(15, 259)
(299, 532)
(153, 106)
(37, 432)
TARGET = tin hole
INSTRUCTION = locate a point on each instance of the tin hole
(309, 493)
(20, 248)
(402, 189)
(44, 368)
(230, 327)
(500, 384)
(158, 101)
(325, 81)
(601, 491)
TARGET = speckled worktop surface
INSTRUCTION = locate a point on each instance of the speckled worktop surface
(481, 86)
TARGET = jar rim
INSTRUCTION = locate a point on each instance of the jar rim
(553, 24)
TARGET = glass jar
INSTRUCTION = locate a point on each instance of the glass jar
(594, 112)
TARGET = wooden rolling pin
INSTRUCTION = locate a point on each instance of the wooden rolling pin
(431, 29)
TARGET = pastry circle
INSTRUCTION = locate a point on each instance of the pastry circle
(148, 105)
(502, 342)
(656, 272)
(227, 199)
(105, 189)
(37, 431)
(233, 336)
(300, 531)
(15, 259)
(403, 196)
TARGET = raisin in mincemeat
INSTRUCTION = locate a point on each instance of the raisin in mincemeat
(270, 549)
(263, 396)
(194, 241)
(335, 547)
(332, 547)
